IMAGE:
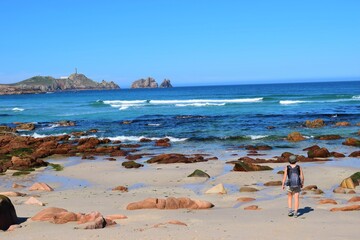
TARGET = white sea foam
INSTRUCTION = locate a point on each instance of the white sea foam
(125, 104)
(199, 104)
(16, 109)
(37, 135)
(254, 137)
(154, 124)
(289, 102)
(137, 138)
(356, 97)
(206, 101)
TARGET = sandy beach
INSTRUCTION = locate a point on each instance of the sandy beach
(85, 186)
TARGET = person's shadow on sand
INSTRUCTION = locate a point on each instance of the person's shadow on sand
(304, 210)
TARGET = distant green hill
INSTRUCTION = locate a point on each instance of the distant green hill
(40, 84)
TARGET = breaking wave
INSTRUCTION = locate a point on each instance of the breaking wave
(125, 104)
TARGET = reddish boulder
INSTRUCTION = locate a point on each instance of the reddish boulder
(245, 199)
(295, 137)
(169, 203)
(327, 201)
(25, 126)
(134, 157)
(352, 142)
(273, 183)
(312, 148)
(145, 140)
(252, 207)
(87, 143)
(93, 220)
(121, 189)
(342, 124)
(328, 137)
(248, 167)
(175, 158)
(248, 189)
(354, 199)
(118, 153)
(310, 188)
(165, 142)
(319, 153)
(337, 155)
(347, 208)
(355, 154)
(317, 123)
(131, 164)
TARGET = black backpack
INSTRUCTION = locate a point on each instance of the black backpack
(293, 175)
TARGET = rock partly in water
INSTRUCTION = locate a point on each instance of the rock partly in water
(199, 173)
(175, 158)
(165, 142)
(273, 183)
(317, 123)
(8, 215)
(295, 137)
(352, 142)
(166, 84)
(355, 154)
(319, 153)
(328, 137)
(248, 189)
(248, 167)
(245, 199)
(39, 186)
(218, 189)
(342, 124)
(337, 155)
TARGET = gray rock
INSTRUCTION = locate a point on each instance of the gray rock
(145, 83)
(166, 84)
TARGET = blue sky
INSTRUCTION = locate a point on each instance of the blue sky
(189, 42)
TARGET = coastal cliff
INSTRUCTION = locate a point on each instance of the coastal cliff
(150, 83)
(42, 84)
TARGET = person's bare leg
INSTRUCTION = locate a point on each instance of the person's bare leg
(290, 200)
(296, 204)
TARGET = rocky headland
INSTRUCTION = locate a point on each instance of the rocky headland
(150, 83)
(43, 84)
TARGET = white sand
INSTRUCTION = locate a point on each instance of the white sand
(227, 220)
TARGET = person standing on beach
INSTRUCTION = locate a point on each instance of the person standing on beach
(293, 180)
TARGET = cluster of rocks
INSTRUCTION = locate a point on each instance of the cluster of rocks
(150, 83)
(319, 123)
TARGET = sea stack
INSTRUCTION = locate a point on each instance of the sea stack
(145, 83)
(166, 84)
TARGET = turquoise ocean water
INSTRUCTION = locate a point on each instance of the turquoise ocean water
(201, 118)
